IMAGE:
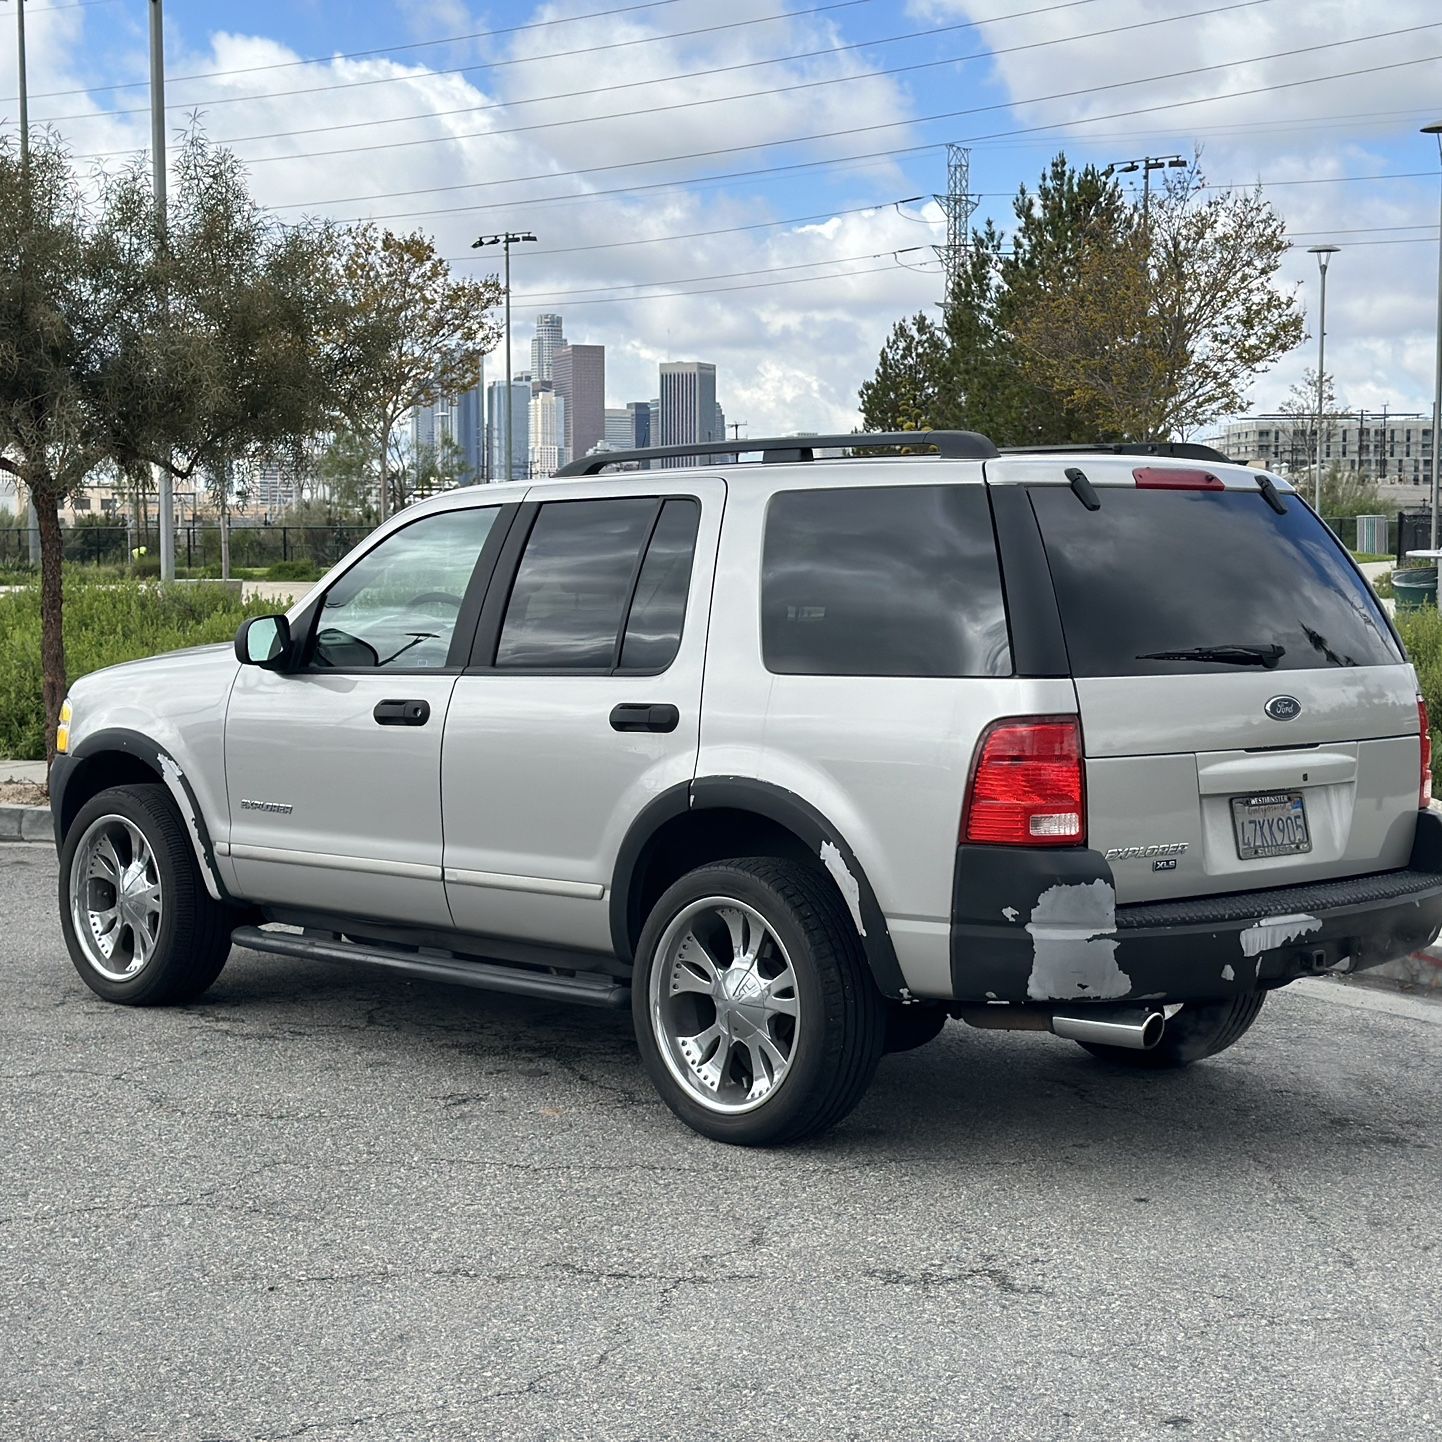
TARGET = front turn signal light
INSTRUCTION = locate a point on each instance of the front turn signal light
(62, 731)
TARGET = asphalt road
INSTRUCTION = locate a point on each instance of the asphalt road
(339, 1205)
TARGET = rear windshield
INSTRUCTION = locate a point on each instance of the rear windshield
(1160, 583)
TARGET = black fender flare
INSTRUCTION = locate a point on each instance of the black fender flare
(821, 839)
(167, 770)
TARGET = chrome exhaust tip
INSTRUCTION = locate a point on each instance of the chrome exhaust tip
(1131, 1027)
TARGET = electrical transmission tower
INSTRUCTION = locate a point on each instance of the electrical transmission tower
(958, 205)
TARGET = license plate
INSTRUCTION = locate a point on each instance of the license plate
(1274, 825)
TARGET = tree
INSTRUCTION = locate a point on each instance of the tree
(131, 344)
(402, 332)
(969, 373)
(1298, 432)
(1160, 324)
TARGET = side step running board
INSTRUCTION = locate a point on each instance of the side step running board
(587, 988)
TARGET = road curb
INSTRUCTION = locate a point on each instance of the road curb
(26, 823)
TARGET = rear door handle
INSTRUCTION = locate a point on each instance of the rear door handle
(402, 713)
(645, 717)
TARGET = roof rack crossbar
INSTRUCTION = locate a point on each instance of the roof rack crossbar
(1181, 450)
(777, 450)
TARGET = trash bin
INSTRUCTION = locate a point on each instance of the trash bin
(1415, 589)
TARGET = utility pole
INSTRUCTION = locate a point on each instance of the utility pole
(1324, 254)
(1436, 132)
(506, 241)
(33, 528)
(1146, 164)
(958, 205)
(165, 482)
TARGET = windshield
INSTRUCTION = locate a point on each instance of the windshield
(1160, 583)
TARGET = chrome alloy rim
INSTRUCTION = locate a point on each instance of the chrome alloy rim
(115, 897)
(724, 1005)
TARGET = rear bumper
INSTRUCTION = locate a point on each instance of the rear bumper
(1042, 927)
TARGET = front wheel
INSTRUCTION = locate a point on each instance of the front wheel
(755, 1012)
(1195, 1032)
(139, 924)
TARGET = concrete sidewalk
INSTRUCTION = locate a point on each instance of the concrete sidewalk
(31, 771)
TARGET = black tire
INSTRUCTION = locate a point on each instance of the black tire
(1193, 1034)
(192, 939)
(841, 1025)
(908, 1027)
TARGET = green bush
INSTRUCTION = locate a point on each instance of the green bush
(294, 571)
(1421, 633)
(104, 623)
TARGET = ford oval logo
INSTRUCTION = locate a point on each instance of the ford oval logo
(1283, 708)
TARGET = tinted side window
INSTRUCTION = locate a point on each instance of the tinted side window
(397, 606)
(1162, 583)
(573, 583)
(653, 629)
(883, 581)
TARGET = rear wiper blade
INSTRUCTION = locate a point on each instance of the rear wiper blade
(1267, 656)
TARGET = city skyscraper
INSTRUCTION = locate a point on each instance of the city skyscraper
(640, 422)
(547, 430)
(547, 341)
(688, 410)
(579, 373)
(520, 426)
(620, 428)
(451, 421)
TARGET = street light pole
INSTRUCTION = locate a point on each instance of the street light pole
(165, 482)
(1324, 254)
(506, 241)
(1436, 130)
(1146, 164)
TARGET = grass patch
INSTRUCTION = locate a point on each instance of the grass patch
(105, 623)
(1360, 556)
(1421, 633)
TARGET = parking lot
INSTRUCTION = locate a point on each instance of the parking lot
(335, 1204)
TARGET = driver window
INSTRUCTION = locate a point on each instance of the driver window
(397, 606)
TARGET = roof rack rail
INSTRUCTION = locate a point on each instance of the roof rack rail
(778, 450)
(1182, 450)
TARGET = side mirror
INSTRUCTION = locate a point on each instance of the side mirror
(264, 641)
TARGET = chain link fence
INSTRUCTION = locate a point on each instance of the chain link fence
(195, 546)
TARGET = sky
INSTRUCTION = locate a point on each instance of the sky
(752, 183)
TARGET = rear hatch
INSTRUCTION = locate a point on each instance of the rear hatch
(1248, 717)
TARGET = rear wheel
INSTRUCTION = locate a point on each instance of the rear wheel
(755, 1011)
(139, 924)
(1194, 1033)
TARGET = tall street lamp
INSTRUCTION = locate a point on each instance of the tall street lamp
(1436, 130)
(1324, 254)
(506, 241)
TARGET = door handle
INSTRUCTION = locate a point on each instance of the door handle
(645, 717)
(402, 713)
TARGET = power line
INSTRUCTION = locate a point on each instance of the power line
(920, 120)
(757, 285)
(650, 110)
(706, 72)
(724, 230)
(459, 70)
(559, 295)
(71, 5)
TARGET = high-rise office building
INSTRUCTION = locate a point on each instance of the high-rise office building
(468, 416)
(579, 373)
(520, 427)
(688, 406)
(451, 422)
(547, 341)
(547, 429)
(640, 412)
(620, 428)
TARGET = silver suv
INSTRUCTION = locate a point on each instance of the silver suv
(797, 759)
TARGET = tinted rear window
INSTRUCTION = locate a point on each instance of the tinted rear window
(883, 581)
(1156, 572)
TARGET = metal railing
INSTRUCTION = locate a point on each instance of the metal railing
(196, 546)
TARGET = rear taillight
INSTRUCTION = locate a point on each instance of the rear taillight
(1174, 478)
(1424, 798)
(1026, 784)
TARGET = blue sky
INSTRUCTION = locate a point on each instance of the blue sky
(806, 303)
